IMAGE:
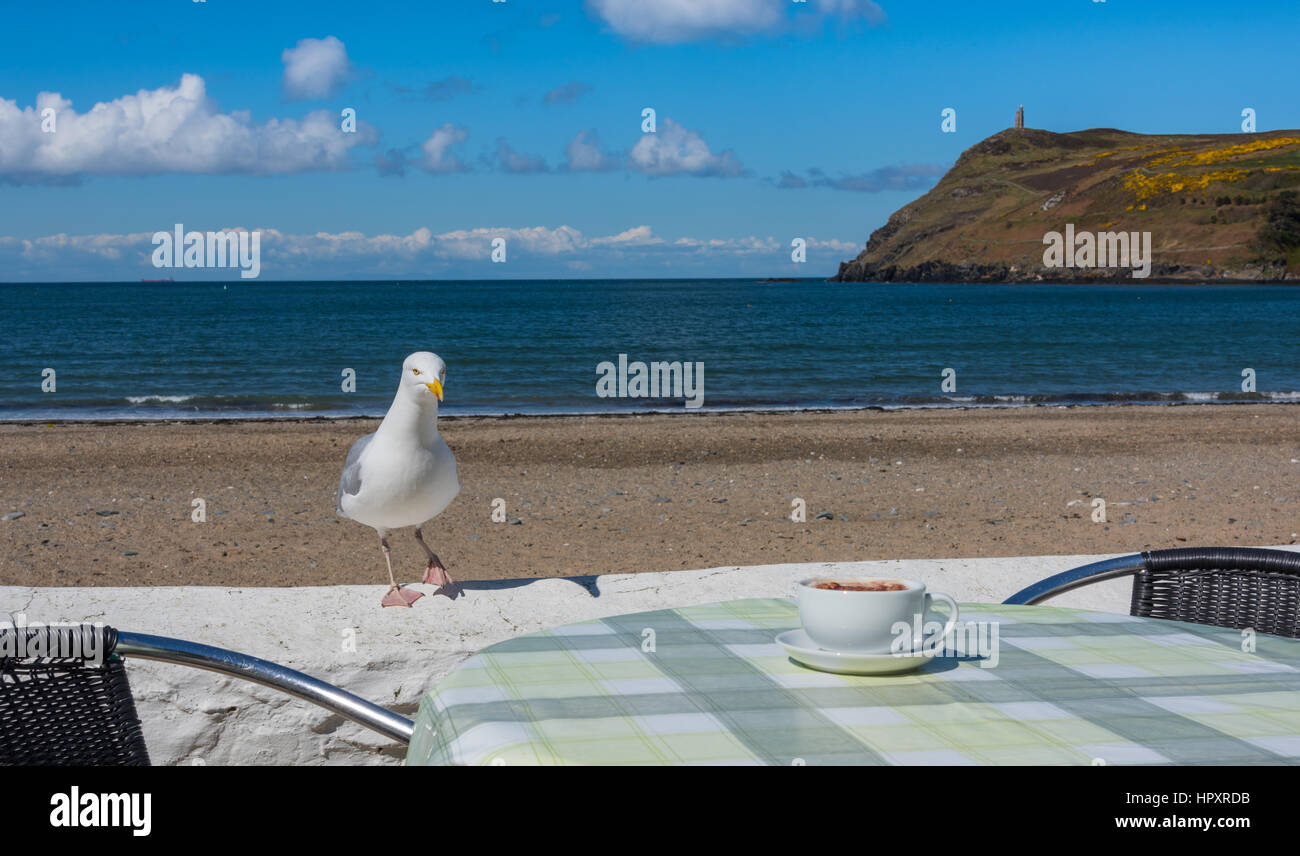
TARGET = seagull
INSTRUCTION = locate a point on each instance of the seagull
(404, 474)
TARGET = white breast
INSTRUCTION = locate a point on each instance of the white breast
(403, 485)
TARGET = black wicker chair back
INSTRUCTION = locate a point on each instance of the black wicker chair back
(1233, 587)
(65, 699)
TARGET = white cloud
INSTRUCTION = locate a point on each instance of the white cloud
(583, 154)
(316, 68)
(437, 158)
(666, 21)
(422, 253)
(671, 21)
(172, 129)
(51, 249)
(675, 150)
(637, 236)
(533, 240)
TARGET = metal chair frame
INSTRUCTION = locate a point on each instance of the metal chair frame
(1084, 575)
(109, 678)
(347, 705)
(1233, 587)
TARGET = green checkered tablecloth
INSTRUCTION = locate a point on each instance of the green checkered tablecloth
(708, 685)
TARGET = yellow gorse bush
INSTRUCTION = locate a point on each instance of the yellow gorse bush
(1162, 156)
(1177, 157)
(1146, 186)
(1095, 160)
(1216, 156)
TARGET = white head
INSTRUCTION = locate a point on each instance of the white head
(423, 374)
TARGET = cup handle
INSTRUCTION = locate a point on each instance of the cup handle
(953, 614)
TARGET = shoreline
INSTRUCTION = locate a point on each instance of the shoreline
(832, 278)
(1292, 398)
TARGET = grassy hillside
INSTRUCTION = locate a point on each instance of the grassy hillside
(1218, 207)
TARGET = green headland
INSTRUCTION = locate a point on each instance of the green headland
(1218, 207)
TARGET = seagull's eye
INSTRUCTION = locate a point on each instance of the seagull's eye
(415, 371)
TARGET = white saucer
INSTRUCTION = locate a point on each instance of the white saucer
(803, 650)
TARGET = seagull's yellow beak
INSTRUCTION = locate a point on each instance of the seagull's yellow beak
(435, 388)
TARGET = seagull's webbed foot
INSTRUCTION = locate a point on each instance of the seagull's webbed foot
(400, 596)
(435, 574)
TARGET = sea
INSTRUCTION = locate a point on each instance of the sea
(255, 350)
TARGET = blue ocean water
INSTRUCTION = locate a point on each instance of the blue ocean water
(257, 349)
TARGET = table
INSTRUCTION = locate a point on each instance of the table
(708, 685)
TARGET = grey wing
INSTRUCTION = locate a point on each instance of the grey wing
(350, 480)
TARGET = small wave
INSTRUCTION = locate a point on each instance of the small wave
(1265, 395)
(222, 403)
(159, 399)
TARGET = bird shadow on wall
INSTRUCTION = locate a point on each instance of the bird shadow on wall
(587, 583)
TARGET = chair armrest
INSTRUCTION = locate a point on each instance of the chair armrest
(1083, 575)
(266, 673)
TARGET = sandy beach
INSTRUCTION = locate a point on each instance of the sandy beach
(111, 504)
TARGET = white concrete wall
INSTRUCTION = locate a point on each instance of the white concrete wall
(396, 655)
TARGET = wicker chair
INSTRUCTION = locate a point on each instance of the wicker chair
(65, 698)
(1235, 587)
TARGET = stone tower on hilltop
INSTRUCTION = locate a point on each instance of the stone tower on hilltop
(1020, 117)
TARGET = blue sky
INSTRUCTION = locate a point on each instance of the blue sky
(842, 97)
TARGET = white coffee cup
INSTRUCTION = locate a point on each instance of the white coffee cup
(867, 622)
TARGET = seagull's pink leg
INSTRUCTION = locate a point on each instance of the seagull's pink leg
(397, 596)
(435, 573)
